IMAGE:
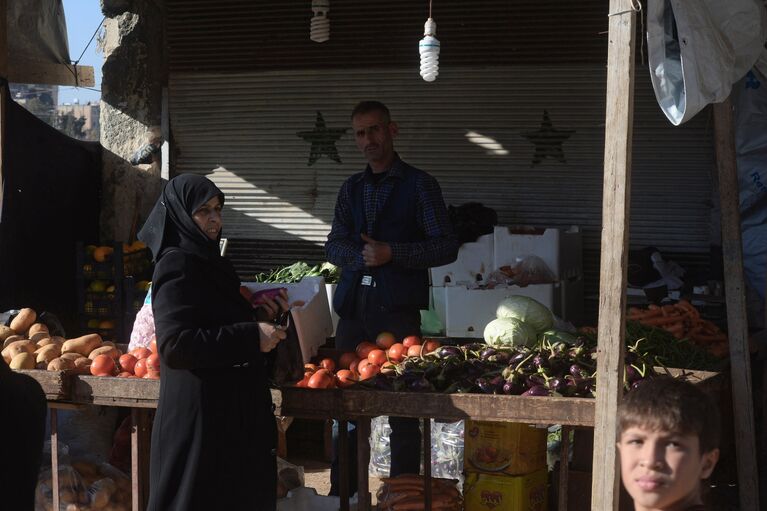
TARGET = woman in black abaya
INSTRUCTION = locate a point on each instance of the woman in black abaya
(214, 434)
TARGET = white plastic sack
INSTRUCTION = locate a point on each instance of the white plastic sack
(699, 48)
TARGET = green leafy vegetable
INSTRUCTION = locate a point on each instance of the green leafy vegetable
(297, 271)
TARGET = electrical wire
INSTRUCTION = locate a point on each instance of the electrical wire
(74, 63)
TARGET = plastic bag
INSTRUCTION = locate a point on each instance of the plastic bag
(289, 477)
(527, 270)
(72, 491)
(143, 328)
(697, 50)
(288, 361)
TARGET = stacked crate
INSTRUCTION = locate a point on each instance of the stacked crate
(505, 466)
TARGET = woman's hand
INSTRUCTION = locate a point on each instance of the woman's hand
(271, 308)
(270, 336)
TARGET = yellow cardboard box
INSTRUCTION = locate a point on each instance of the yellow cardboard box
(482, 492)
(503, 448)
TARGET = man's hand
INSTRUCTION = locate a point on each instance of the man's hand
(375, 253)
(271, 308)
(270, 337)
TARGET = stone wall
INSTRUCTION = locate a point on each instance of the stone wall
(131, 108)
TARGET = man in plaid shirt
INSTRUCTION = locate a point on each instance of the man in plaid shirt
(390, 226)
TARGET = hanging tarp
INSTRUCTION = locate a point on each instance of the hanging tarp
(698, 49)
(37, 31)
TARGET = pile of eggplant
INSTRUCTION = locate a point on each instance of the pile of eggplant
(550, 369)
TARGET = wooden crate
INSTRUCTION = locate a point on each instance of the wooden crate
(57, 385)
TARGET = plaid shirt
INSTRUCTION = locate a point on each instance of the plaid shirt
(440, 245)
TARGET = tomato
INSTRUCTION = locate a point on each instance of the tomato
(385, 340)
(128, 362)
(369, 371)
(125, 374)
(153, 344)
(431, 345)
(303, 382)
(377, 357)
(362, 363)
(152, 375)
(353, 367)
(411, 340)
(140, 368)
(346, 360)
(140, 353)
(327, 363)
(153, 363)
(364, 348)
(320, 380)
(345, 378)
(103, 365)
(414, 351)
(397, 352)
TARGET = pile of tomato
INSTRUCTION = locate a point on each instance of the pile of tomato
(365, 362)
(138, 363)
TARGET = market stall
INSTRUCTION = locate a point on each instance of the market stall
(344, 404)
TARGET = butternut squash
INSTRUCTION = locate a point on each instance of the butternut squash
(24, 360)
(82, 345)
(105, 350)
(17, 347)
(36, 328)
(5, 332)
(48, 353)
(61, 364)
(23, 320)
(12, 338)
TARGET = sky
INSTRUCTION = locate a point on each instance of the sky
(83, 16)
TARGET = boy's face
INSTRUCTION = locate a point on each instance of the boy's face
(662, 470)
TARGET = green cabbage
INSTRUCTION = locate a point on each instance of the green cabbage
(553, 336)
(527, 310)
(509, 332)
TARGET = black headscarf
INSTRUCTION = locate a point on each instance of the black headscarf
(170, 224)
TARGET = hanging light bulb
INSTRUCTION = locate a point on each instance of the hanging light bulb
(320, 27)
(428, 47)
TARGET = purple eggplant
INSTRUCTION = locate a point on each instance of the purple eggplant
(577, 372)
(536, 380)
(484, 385)
(449, 351)
(513, 387)
(487, 353)
(420, 385)
(537, 390)
(556, 385)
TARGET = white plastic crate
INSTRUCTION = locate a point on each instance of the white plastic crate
(313, 321)
(474, 259)
(560, 249)
(466, 312)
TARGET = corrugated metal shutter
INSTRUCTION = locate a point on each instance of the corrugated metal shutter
(247, 124)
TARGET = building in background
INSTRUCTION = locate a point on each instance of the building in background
(76, 120)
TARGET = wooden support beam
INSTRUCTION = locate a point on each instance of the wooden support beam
(614, 254)
(50, 73)
(737, 324)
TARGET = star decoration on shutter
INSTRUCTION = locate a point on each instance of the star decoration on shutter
(323, 140)
(548, 141)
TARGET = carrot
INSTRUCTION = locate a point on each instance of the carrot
(709, 338)
(719, 349)
(661, 321)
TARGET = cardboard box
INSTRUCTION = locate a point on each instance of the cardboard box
(482, 492)
(560, 249)
(474, 264)
(466, 312)
(503, 447)
(313, 322)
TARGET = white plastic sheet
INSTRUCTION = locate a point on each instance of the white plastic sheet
(699, 48)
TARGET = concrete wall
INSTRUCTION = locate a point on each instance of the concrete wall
(131, 109)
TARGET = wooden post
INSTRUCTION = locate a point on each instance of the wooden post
(54, 454)
(363, 460)
(426, 422)
(343, 464)
(564, 468)
(140, 424)
(612, 278)
(737, 324)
